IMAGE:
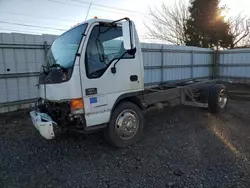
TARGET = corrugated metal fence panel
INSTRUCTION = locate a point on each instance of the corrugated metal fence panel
(165, 63)
(180, 57)
(21, 57)
(206, 58)
(234, 64)
(150, 59)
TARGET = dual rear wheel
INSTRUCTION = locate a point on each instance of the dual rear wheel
(217, 98)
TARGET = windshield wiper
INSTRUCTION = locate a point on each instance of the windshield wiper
(58, 65)
(44, 71)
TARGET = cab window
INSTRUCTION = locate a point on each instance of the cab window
(105, 45)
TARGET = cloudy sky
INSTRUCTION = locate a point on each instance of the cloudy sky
(56, 16)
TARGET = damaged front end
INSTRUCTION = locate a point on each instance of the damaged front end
(44, 124)
(61, 105)
(54, 117)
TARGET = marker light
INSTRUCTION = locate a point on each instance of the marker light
(76, 104)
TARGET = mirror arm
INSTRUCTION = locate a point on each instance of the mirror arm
(113, 69)
(132, 51)
(126, 18)
(130, 31)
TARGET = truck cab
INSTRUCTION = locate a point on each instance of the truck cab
(89, 70)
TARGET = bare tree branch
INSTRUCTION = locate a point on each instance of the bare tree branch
(168, 22)
(240, 29)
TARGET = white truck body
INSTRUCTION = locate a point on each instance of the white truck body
(109, 86)
(85, 81)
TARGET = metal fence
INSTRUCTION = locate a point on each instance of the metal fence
(168, 63)
(234, 65)
(21, 57)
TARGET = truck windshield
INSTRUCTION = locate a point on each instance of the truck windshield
(64, 48)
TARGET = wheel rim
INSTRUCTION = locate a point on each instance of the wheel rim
(127, 124)
(222, 98)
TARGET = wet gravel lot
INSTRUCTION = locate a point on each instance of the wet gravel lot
(181, 147)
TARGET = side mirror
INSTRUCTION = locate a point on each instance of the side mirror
(128, 35)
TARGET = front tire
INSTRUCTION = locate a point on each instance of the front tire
(126, 125)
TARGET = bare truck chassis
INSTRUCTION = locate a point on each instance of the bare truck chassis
(205, 94)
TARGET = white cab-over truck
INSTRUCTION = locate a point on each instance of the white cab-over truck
(88, 85)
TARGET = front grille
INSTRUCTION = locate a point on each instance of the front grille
(57, 110)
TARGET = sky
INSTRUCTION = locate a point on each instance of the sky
(57, 16)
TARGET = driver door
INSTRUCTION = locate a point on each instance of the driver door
(101, 87)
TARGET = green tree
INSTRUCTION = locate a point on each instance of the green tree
(206, 27)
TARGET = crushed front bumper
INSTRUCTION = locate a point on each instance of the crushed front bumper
(44, 124)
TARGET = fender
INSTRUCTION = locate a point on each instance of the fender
(135, 97)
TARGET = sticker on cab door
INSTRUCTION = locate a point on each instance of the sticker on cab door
(91, 91)
(93, 100)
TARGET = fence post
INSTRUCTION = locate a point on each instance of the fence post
(192, 65)
(45, 46)
(215, 69)
(162, 63)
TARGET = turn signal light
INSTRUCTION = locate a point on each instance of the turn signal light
(77, 104)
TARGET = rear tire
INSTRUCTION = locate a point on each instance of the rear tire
(126, 125)
(217, 98)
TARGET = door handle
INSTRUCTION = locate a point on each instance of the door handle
(133, 78)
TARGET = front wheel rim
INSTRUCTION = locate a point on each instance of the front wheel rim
(222, 98)
(127, 124)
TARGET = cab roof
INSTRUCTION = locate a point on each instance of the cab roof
(94, 20)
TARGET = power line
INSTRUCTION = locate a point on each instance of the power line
(28, 25)
(66, 3)
(25, 32)
(70, 4)
(110, 7)
(50, 24)
(45, 17)
(99, 5)
(61, 2)
(40, 30)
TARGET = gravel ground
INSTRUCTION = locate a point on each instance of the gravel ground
(181, 147)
